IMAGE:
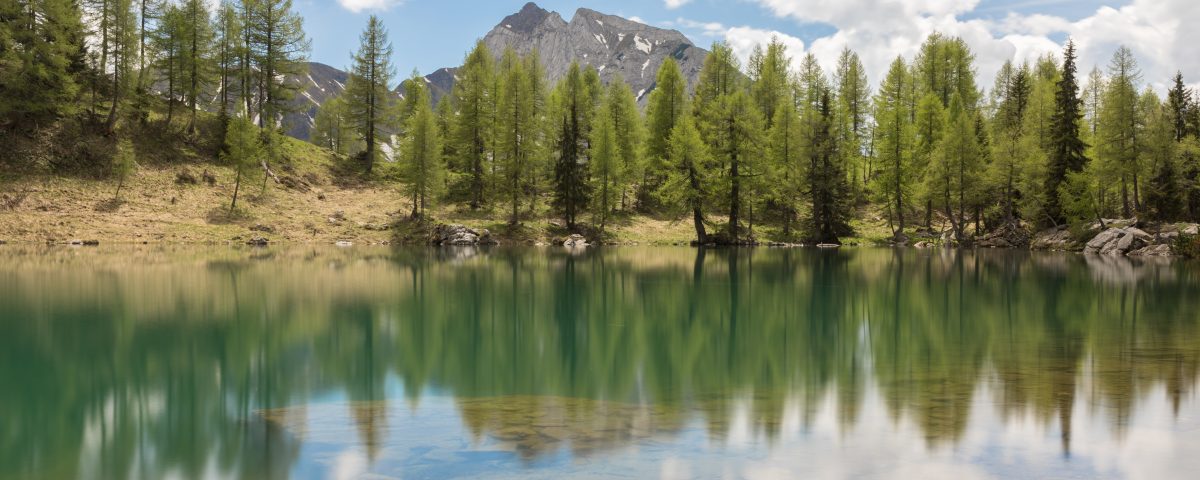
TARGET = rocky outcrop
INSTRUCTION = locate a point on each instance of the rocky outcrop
(1055, 239)
(1122, 241)
(1009, 235)
(574, 240)
(460, 235)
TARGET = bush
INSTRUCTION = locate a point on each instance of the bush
(1187, 246)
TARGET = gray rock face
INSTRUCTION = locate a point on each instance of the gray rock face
(460, 235)
(1054, 239)
(611, 44)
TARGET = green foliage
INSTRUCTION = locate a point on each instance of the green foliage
(1187, 246)
(663, 111)
(243, 150)
(423, 168)
(573, 107)
(689, 182)
(1066, 147)
(124, 163)
(894, 134)
(41, 42)
(472, 93)
(368, 100)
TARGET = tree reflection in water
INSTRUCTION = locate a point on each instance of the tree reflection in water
(140, 362)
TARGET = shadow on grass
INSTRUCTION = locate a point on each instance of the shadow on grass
(110, 205)
(223, 216)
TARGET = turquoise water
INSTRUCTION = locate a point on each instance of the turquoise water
(174, 362)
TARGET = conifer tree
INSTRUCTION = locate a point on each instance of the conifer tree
(472, 95)
(229, 46)
(853, 113)
(828, 188)
(277, 48)
(1066, 153)
(368, 99)
(517, 131)
(332, 127)
(663, 111)
(689, 176)
(573, 106)
(242, 150)
(952, 174)
(770, 83)
(39, 42)
(622, 111)
(1120, 122)
(197, 64)
(785, 155)
(605, 169)
(124, 162)
(1163, 195)
(894, 131)
(421, 151)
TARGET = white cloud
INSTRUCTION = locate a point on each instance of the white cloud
(742, 40)
(673, 4)
(357, 6)
(881, 29)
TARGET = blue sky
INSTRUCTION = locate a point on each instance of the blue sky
(431, 34)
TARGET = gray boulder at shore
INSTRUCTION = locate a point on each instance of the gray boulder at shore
(460, 235)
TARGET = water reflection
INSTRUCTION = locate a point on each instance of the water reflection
(161, 361)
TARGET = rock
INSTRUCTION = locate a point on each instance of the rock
(454, 234)
(343, 243)
(1059, 239)
(208, 178)
(574, 240)
(923, 244)
(185, 177)
(485, 238)
(1011, 234)
(294, 183)
(262, 228)
(1192, 229)
(1160, 250)
(828, 245)
(258, 240)
(376, 228)
(1097, 243)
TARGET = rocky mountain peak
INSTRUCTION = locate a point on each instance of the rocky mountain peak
(529, 19)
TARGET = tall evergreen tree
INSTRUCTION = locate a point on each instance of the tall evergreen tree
(277, 49)
(573, 106)
(663, 111)
(472, 95)
(894, 131)
(622, 110)
(368, 99)
(853, 113)
(423, 167)
(228, 32)
(197, 62)
(39, 41)
(1066, 148)
(518, 131)
(955, 165)
(689, 179)
(828, 188)
(1119, 129)
(242, 150)
(785, 156)
(333, 128)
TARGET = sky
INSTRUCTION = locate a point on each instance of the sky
(1163, 34)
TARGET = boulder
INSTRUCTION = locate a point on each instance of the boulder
(258, 240)
(828, 245)
(208, 178)
(573, 240)
(1192, 229)
(343, 243)
(455, 234)
(1118, 241)
(1008, 235)
(1097, 243)
(923, 244)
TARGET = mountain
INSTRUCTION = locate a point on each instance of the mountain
(611, 44)
(322, 83)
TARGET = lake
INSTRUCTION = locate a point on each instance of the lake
(656, 362)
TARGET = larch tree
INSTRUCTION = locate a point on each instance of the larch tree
(853, 113)
(516, 133)
(605, 169)
(242, 150)
(197, 61)
(277, 49)
(1120, 125)
(472, 95)
(333, 128)
(952, 174)
(228, 39)
(663, 111)
(627, 127)
(367, 97)
(421, 151)
(785, 156)
(688, 183)
(894, 133)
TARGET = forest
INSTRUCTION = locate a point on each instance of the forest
(776, 147)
